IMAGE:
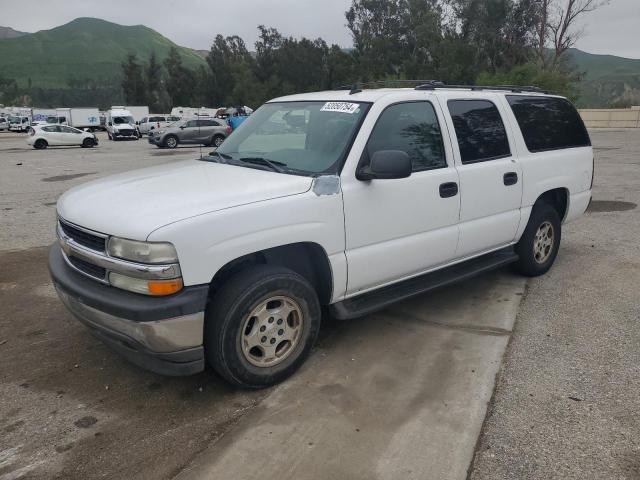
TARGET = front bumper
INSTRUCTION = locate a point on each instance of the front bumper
(161, 334)
(154, 140)
(125, 134)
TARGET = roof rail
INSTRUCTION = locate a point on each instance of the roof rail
(357, 87)
(506, 88)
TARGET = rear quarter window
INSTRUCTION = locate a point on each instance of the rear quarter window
(548, 123)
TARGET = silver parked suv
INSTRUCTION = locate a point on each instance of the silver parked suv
(209, 131)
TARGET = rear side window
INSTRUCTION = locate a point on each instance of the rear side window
(156, 119)
(480, 130)
(548, 123)
(412, 128)
(209, 123)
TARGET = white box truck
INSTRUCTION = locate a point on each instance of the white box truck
(79, 117)
(44, 115)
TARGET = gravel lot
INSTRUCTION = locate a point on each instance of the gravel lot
(567, 400)
(565, 406)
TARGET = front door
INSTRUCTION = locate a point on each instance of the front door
(490, 176)
(402, 227)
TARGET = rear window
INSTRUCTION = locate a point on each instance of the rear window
(548, 123)
(479, 129)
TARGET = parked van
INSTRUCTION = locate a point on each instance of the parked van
(351, 200)
(120, 124)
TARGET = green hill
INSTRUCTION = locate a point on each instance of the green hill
(86, 49)
(608, 80)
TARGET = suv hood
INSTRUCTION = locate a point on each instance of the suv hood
(133, 204)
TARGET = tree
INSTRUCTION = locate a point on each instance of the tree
(556, 27)
(230, 64)
(155, 93)
(133, 84)
(180, 80)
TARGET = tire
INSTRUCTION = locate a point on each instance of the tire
(217, 141)
(171, 141)
(228, 324)
(40, 144)
(540, 242)
(88, 143)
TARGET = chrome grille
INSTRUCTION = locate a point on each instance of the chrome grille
(88, 268)
(83, 237)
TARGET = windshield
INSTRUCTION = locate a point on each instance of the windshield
(308, 138)
(123, 120)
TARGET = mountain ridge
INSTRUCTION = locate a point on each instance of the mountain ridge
(87, 53)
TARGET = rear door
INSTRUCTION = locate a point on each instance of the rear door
(490, 176)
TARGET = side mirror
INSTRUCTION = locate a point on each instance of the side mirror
(386, 165)
(182, 127)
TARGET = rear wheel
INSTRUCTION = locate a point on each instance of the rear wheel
(261, 326)
(171, 141)
(217, 141)
(40, 144)
(539, 244)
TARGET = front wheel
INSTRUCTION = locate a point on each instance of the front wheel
(261, 326)
(539, 244)
(171, 142)
(88, 143)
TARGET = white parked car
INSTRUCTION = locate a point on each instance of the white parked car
(43, 136)
(349, 199)
(4, 123)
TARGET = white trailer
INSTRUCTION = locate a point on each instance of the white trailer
(79, 117)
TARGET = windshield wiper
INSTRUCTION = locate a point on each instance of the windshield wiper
(272, 164)
(221, 156)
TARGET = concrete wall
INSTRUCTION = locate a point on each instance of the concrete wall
(611, 117)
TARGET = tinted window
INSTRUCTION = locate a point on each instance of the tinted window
(480, 131)
(144, 120)
(191, 123)
(548, 123)
(412, 128)
(156, 119)
(52, 128)
(66, 129)
(209, 123)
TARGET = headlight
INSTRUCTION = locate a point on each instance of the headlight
(143, 252)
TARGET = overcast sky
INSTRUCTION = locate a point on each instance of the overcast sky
(613, 29)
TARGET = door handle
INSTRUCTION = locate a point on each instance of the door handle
(510, 178)
(449, 189)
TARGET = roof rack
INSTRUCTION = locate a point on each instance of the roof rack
(437, 84)
(357, 87)
(505, 88)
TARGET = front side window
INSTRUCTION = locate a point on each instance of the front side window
(191, 124)
(479, 129)
(548, 123)
(305, 138)
(412, 128)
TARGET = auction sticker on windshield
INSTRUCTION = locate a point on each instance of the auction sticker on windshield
(342, 107)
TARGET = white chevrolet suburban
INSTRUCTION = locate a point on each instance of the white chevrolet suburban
(348, 199)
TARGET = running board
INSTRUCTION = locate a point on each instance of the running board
(377, 299)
